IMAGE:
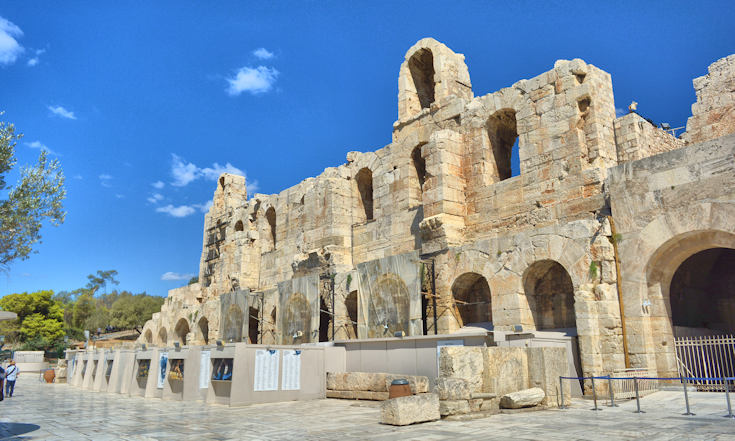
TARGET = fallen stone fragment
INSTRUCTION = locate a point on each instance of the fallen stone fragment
(522, 398)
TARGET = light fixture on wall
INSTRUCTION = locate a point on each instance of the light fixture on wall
(297, 334)
(399, 334)
(143, 347)
(517, 328)
(177, 345)
(219, 343)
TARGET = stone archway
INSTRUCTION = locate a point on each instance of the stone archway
(472, 299)
(550, 293)
(162, 337)
(148, 336)
(234, 321)
(181, 330)
(297, 320)
(204, 329)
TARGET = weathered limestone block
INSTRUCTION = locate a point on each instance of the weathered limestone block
(462, 362)
(452, 389)
(545, 366)
(419, 384)
(358, 395)
(454, 407)
(475, 404)
(522, 398)
(409, 410)
(373, 382)
(505, 369)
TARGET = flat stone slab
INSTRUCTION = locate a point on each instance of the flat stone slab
(523, 398)
(374, 382)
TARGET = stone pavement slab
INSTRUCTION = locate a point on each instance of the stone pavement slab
(59, 412)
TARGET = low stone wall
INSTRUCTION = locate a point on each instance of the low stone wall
(369, 385)
(502, 370)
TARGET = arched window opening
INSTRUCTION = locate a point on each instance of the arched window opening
(502, 133)
(254, 326)
(472, 298)
(296, 320)
(389, 308)
(204, 329)
(148, 337)
(702, 294)
(239, 226)
(351, 305)
(325, 319)
(270, 215)
(421, 66)
(364, 181)
(162, 337)
(181, 330)
(222, 182)
(550, 294)
(419, 164)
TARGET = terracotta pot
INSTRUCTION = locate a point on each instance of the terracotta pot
(399, 388)
(49, 375)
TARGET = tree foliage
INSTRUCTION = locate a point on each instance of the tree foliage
(35, 198)
(40, 318)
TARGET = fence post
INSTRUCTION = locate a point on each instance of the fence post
(637, 396)
(612, 394)
(686, 395)
(561, 393)
(594, 393)
(727, 397)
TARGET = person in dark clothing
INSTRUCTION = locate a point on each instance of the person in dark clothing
(2, 383)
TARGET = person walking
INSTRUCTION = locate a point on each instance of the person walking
(2, 383)
(11, 373)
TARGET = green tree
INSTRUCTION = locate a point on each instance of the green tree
(101, 279)
(35, 198)
(84, 307)
(40, 318)
(132, 311)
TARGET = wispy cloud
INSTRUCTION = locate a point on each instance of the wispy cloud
(620, 112)
(10, 49)
(158, 185)
(176, 276)
(155, 198)
(184, 210)
(41, 146)
(252, 80)
(184, 172)
(263, 53)
(35, 59)
(120, 196)
(252, 187)
(78, 177)
(105, 180)
(62, 112)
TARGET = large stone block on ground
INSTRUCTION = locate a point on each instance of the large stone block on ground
(452, 389)
(462, 362)
(505, 370)
(373, 382)
(545, 366)
(522, 398)
(409, 410)
(454, 407)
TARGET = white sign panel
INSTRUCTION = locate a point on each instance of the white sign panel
(204, 369)
(162, 363)
(291, 370)
(266, 370)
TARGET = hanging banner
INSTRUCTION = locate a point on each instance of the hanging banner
(291, 370)
(162, 363)
(204, 368)
(266, 370)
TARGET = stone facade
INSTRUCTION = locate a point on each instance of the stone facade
(435, 224)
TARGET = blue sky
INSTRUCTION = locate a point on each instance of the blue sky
(144, 103)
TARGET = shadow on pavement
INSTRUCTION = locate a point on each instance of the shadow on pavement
(10, 430)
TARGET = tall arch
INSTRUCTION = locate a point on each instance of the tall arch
(297, 320)
(364, 181)
(472, 299)
(419, 166)
(325, 319)
(233, 324)
(148, 336)
(162, 337)
(550, 293)
(390, 304)
(421, 66)
(181, 330)
(351, 305)
(502, 135)
(254, 325)
(270, 215)
(204, 329)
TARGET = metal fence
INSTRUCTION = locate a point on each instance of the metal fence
(627, 388)
(709, 357)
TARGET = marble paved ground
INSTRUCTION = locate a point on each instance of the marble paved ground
(59, 412)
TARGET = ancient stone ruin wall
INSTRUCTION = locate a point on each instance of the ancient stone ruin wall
(436, 225)
(713, 115)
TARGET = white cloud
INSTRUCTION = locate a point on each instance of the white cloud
(41, 146)
(62, 112)
(263, 53)
(176, 276)
(180, 211)
(185, 172)
(158, 185)
(205, 207)
(120, 196)
(620, 112)
(10, 49)
(105, 180)
(79, 177)
(252, 187)
(35, 59)
(155, 198)
(253, 80)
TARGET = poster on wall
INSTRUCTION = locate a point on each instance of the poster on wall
(291, 370)
(162, 363)
(266, 370)
(204, 369)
